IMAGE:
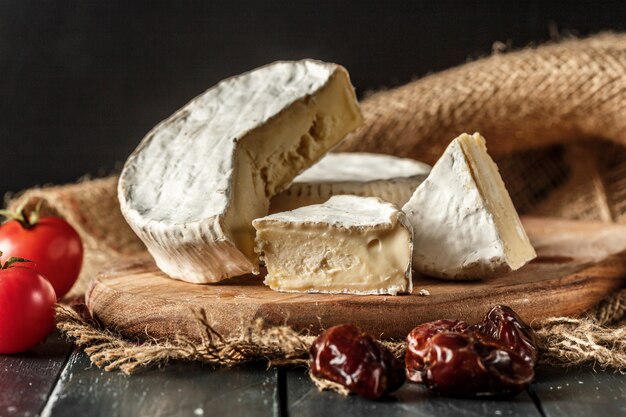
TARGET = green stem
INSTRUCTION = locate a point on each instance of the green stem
(12, 260)
(20, 216)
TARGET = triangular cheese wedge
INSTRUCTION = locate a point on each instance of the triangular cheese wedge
(464, 222)
(195, 183)
(387, 177)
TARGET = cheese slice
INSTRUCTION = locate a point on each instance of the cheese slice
(349, 244)
(464, 222)
(195, 183)
(387, 177)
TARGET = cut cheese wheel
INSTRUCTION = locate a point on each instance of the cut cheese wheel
(195, 183)
(349, 244)
(463, 219)
(387, 177)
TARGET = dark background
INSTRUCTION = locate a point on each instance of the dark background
(82, 81)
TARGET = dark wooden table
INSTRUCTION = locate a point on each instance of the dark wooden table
(56, 380)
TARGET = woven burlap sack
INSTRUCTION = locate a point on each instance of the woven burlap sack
(522, 100)
(554, 118)
(535, 107)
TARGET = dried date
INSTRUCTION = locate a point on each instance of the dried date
(418, 344)
(503, 324)
(345, 355)
(474, 364)
(495, 357)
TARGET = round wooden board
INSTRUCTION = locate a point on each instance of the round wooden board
(578, 264)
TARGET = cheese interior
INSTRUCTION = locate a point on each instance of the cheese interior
(273, 154)
(303, 255)
(517, 247)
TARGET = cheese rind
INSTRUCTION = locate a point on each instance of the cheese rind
(195, 183)
(349, 244)
(465, 225)
(387, 177)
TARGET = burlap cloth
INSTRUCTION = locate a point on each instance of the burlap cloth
(555, 120)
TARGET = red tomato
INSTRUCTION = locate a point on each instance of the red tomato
(26, 308)
(51, 244)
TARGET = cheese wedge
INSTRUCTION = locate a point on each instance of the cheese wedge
(349, 244)
(195, 183)
(464, 222)
(387, 177)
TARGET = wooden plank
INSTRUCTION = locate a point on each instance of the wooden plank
(580, 392)
(578, 264)
(304, 399)
(179, 389)
(26, 379)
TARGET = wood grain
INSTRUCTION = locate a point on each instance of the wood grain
(26, 379)
(180, 389)
(580, 392)
(578, 264)
(304, 400)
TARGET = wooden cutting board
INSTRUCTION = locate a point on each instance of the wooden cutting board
(578, 264)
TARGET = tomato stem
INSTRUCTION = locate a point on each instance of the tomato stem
(12, 260)
(27, 221)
